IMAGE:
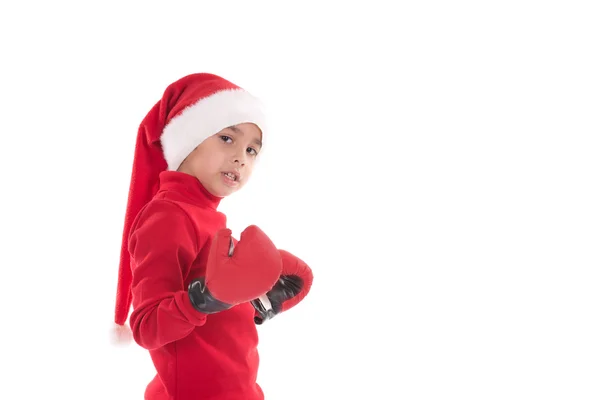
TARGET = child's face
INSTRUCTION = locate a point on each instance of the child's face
(224, 162)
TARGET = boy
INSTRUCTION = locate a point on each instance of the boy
(197, 293)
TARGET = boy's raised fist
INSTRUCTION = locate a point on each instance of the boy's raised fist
(236, 274)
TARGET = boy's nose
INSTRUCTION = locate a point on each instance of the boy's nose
(239, 157)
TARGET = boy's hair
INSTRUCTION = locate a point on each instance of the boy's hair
(191, 109)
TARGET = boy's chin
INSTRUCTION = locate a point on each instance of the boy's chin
(225, 191)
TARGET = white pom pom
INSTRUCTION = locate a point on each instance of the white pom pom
(121, 335)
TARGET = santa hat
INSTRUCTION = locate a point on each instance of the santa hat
(191, 109)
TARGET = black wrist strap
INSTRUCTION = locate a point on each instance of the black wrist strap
(202, 300)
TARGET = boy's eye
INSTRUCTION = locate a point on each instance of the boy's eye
(252, 151)
(225, 138)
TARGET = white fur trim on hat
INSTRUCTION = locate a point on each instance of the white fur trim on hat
(205, 118)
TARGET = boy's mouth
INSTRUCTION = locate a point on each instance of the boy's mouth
(231, 175)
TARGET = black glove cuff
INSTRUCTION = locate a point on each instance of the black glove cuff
(262, 313)
(202, 300)
(286, 288)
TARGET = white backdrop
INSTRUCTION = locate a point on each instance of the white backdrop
(436, 164)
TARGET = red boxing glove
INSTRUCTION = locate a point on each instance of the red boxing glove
(293, 285)
(236, 275)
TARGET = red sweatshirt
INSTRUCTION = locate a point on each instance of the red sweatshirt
(197, 356)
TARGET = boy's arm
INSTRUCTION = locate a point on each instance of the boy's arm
(163, 245)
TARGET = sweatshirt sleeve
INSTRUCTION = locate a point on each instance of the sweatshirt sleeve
(163, 245)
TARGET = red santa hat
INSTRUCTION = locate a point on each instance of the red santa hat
(191, 109)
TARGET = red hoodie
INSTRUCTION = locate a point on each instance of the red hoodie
(197, 356)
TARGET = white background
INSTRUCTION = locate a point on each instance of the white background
(436, 163)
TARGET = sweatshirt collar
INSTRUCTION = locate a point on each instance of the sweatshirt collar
(188, 186)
